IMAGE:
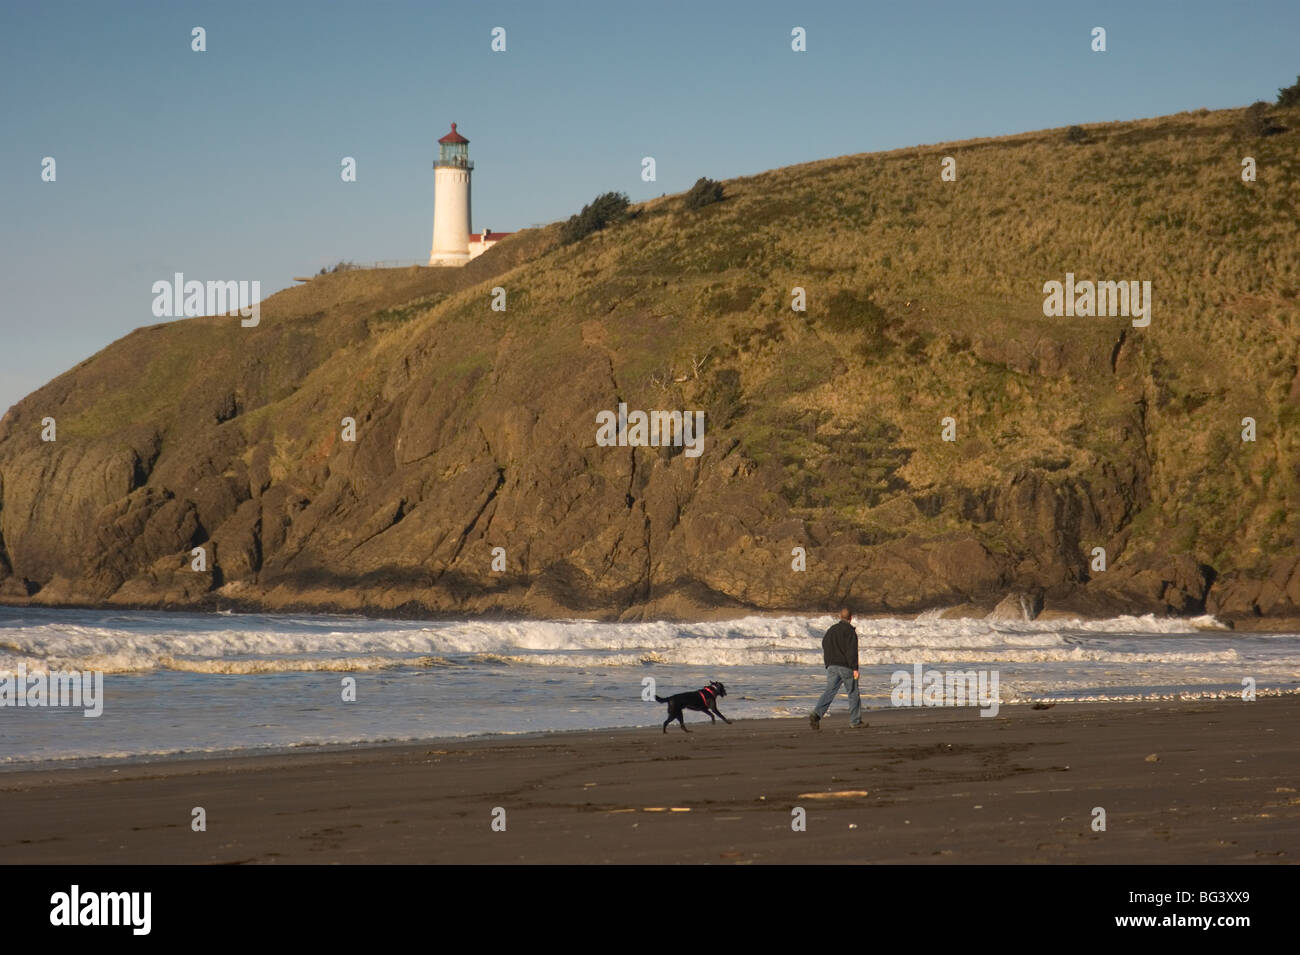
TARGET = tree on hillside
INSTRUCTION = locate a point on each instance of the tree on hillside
(1289, 95)
(704, 192)
(605, 210)
(1076, 134)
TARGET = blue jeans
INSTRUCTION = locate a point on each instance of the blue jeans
(836, 675)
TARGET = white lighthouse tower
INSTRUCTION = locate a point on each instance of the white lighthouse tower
(451, 215)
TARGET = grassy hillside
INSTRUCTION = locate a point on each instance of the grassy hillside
(924, 301)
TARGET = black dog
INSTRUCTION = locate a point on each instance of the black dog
(705, 700)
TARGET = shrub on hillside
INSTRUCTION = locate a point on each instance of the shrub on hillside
(605, 210)
(848, 311)
(1075, 134)
(704, 192)
(1289, 95)
(1255, 121)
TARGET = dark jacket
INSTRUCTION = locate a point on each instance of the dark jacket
(840, 646)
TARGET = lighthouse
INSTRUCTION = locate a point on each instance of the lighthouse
(454, 242)
(451, 217)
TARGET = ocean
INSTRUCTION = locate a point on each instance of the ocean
(190, 684)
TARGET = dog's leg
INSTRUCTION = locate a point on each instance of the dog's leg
(719, 712)
(681, 718)
(666, 722)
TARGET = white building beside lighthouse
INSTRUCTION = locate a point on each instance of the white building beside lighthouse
(454, 240)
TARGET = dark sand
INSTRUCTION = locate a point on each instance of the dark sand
(943, 785)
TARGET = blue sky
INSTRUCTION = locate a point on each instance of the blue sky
(225, 164)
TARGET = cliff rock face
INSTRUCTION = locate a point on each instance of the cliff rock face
(1093, 467)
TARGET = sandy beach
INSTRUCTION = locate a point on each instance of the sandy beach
(1179, 782)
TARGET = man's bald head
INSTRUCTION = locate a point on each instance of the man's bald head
(846, 615)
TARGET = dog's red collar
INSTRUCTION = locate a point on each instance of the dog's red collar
(707, 689)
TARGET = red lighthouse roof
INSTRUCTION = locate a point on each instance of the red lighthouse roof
(453, 136)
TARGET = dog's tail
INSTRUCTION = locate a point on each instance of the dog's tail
(660, 699)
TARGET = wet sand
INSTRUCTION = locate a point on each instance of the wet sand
(918, 785)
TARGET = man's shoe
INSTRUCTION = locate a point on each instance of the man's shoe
(814, 721)
(859, 726)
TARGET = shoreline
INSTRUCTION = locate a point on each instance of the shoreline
(316, 748)
(918, 785)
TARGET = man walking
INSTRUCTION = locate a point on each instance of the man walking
(840, 654)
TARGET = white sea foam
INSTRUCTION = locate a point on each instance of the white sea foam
(300, 664)
(708, 656)
(748, 641)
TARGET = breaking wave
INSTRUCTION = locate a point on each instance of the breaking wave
(263, 644)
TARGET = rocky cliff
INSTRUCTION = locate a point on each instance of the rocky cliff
(825, 428)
